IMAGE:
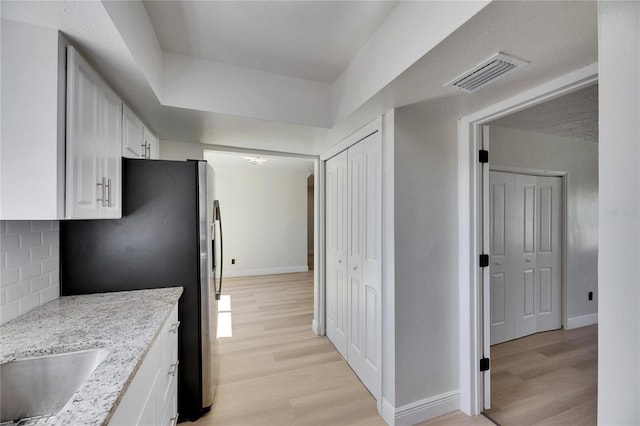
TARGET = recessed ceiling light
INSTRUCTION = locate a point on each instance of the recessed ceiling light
(256, 161)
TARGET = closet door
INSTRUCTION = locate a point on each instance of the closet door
(336, 252)
(549, 256)
(356, 196)
(526, 254)
(503, 228)
(370, 303)
(353, 257)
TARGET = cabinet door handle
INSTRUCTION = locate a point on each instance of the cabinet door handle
(174, 327)
(144, 147)
(103, 188)
(108, 192)
(148, 151)
(101, 199)
(173, 368)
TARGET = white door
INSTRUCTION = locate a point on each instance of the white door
(364, 260)
(336, 252)
(370, 300)
(502, 226)
(525, 268)
(353, 217)
(549, 254)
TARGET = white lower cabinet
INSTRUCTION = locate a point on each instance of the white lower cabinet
(151, 398)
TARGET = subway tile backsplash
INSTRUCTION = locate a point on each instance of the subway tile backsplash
(29, 265)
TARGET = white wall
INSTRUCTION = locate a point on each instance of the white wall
(29, 264)
(264, 214)
(530, 150)
(181, 151)
(426, 244)
(619, 256)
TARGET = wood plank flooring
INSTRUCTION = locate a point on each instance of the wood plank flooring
(274, 371)
(547, 378)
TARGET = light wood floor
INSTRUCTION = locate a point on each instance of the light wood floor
(546, 379)
(275, 371)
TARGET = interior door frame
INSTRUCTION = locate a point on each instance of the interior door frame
(472, 182)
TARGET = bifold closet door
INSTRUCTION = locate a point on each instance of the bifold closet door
(353, 257)
(364, 266)
(336, 252)
(525, 229)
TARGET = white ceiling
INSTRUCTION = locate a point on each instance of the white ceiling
(235, 161)
(555, 37)
(312, 40)
(573, 116)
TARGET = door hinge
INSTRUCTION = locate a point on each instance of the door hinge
(483, 156)
(484, 260)
(485, 364)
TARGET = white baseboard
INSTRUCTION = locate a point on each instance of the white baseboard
(264, 271)
(316, 327)
(420, 411)
(582, 321)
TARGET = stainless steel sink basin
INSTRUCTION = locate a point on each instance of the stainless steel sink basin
(38, 386)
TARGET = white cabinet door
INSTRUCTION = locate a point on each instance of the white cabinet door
(151, 145)
(94, 150)
(32, 164)
(84, 193)
(151, 398)
(133, 145)
(336, 249)
(111, 154)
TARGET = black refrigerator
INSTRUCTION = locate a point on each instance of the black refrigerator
(164, 239)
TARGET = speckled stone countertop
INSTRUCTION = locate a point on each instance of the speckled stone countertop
(124, 323)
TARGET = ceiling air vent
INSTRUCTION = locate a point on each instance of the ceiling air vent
(486, 72)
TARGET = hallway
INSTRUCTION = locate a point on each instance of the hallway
(275, 371)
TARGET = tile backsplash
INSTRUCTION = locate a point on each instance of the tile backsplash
(29, 264)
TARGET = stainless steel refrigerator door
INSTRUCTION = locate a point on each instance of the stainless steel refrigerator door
(208, 303)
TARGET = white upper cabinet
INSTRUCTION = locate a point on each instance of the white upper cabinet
(94, 150)
(133, 144)
(137, 140)
(151, 145)
(52, 168)
(33, 126)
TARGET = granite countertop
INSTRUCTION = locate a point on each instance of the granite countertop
(123, 323)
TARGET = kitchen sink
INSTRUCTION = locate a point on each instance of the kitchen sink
(33, 387)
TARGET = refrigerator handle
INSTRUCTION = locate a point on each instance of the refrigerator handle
(218, 217)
